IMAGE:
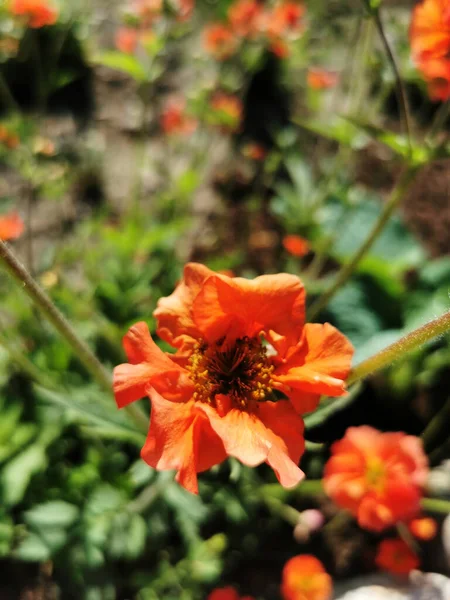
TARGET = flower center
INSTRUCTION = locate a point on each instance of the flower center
(241, 371)
(375, 475)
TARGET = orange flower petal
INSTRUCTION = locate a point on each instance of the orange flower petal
(148, 366)
(396, 557)
(181, 438)
(273, 433)
(305, 578)
(226, 593)
(296, 245)
(248, 307)
(320, 363)
(11, 226)
(174, 313)
(423, 529)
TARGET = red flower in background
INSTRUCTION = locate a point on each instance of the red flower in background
(214, 397)
(227, 593)
(378, 477)
(423, 529)
(174, 119)
(38, 13)
(304, 578)
(11, 226)
(147, 10)
(296, 245)
(285, 19)
(227, 111)
(184, 8)
(8, 138)
(245, 17)
(430, 45)
(320, 79)
(395, 556)
(127, 39)
(219, 40)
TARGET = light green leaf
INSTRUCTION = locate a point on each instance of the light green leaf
(122, 62)
(56, 513)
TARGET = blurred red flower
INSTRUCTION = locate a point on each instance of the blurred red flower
(285, 19)
(320, 79)
(174, 119)
(38, 13)
(245, 17)
(304, 578)
(254, 151)
(423, 529)
(214, 398)
(227, 593)
(395, 556)
(11, 226)
(430, 44)
(296, 245)
(8, 138)
(184, 9)
(378, 477)
(226, 111)
(219, 41)
(127, 39)
(147, 10)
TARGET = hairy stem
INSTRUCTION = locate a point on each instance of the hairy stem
(347, 270)
(409, 342)
(52, 313)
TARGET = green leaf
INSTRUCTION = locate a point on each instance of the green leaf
(56, 513)
(122, 62)
(17, 473)
(32, 549)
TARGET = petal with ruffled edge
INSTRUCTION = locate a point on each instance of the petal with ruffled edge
(174, 313)
(272, 433)
(241, 307)
(319, 364)
(148, 365)
(181, 438)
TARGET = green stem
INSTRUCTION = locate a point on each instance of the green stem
(436, 505)
(80, 348)
(438, 426)
(347, 270)
(409, 342)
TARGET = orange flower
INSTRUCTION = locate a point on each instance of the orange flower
(148, 10)
(184, 9)
(215, 397)
(296, 245)
(219, 40)
(304, 578)
(430, 45)
(227, 593)
(245, 17)
(127, 39)
(8, 138)
(174, 119)
(285, 19)
(37, 13)
(396, 557)
(377, 476)
(11, 227)
(320, 79)
(254, 151)
(226, 111)
(423, 529)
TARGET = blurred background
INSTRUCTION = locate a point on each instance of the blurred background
(135, 137)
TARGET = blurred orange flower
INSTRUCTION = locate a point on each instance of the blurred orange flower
(245, 17)
(423, 529)
(148, 10)
(296, 245)
(174, 119)
(227, 593)
(38, 13)
(127, 39)
(214, 398)
(11, 226)
(395, 556)
(304, 578)
(219, 40)
(8, 138)
(320, 79)
(430, 45)
(227, 111)
(378, 477)
(184, 9)
(254, 151)
(286, 18)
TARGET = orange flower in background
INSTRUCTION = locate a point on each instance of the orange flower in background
(245, 17)
(285, 19)
(296, 245)
(147, 10)
(11, 226)
(237, 342)
(127, 39)
(395, 556)
(219, 40)
(254, 151)
(184, 8)
(226, 111)
(227, 593)
(38, 13)
(174, 119)
(430, 44)
(304, 578)
(378, 477)
(8, 138)
(320, 79)
(423, 529)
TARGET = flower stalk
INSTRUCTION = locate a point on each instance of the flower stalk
(38, 296)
